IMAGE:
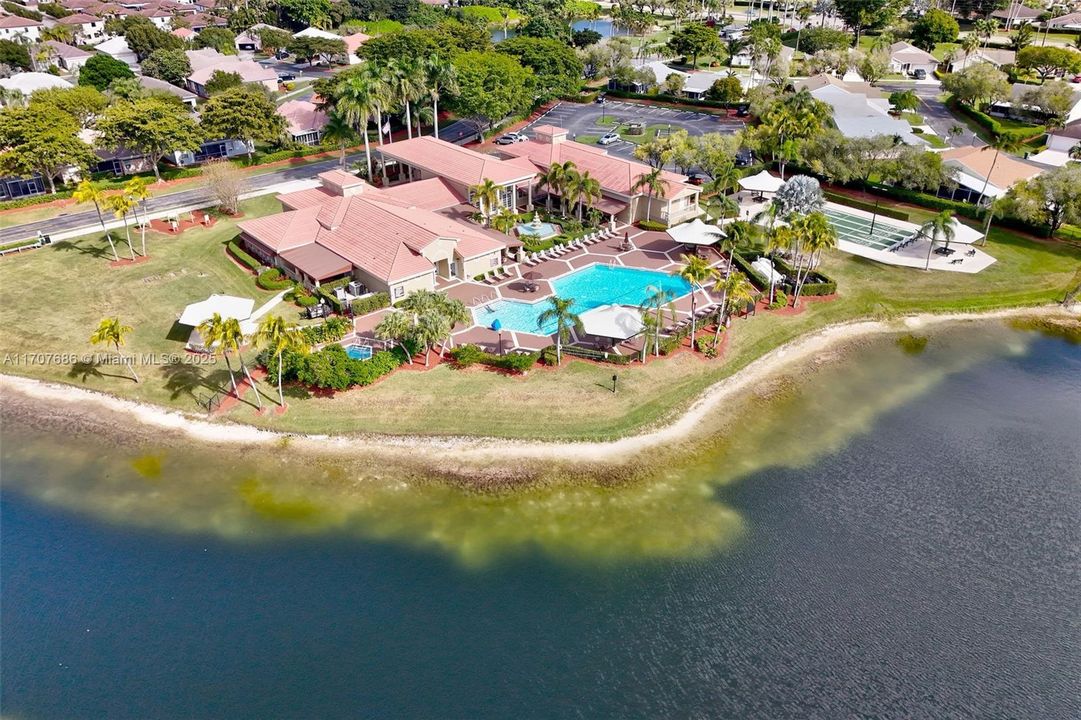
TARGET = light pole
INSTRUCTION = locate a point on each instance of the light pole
(498, 327)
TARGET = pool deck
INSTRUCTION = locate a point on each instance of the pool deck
(652, 251)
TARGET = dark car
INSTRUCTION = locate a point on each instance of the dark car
(743, 110)
(695, 179)
(286, 77)
(918, 74)
(281, 55)
(744, 158)
(601, 99)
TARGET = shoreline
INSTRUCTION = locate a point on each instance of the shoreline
(484, 450)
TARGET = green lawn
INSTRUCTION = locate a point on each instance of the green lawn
(51, 299)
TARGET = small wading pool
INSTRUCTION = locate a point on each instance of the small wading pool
(359, 352)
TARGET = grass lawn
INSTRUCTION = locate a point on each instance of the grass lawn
(51, 299)
(587, 139)
(935, 141)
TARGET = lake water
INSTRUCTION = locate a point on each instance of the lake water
(892, 535)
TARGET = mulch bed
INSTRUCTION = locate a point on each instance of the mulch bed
(166, 228)
(125, 262)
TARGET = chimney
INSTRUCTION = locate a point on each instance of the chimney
(549, 134)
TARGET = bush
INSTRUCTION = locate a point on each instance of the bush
(272, 279)
(652, 225)
(870, 207)
(779, 301)
(332, 329)
(548, 355)
(707, 346)
(54, 10)
(466, 355)
(23, 12)
(244, 258)
(365, 372)
(378, 301)
(744, 266)
(305, 300)
(672, 99)
(994, 127)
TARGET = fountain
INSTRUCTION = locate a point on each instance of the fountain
(537, 229)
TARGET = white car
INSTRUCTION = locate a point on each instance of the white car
(511, 138)
(608, 138)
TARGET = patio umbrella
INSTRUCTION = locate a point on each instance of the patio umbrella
(612, 321)
(532, 275)
(696, 232)
(762, 182)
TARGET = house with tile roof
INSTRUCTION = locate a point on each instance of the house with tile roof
(1017, 13)
(1069, 21)
(906, 58)
(304, 121)
(396, 240)
(206, 61)
(68, 57)
(983, 172)
(1016, 106)
(88, 29)
(16, 29)
(677, 203)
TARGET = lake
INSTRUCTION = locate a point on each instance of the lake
(894, 533)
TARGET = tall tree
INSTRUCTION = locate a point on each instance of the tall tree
(100, 70)
(121, 204)
(1000, 144)
(138, 189)
(89, 191)
(559, 312)
(340, 132)
(151, 125)
(940, 228)
(356, 103)
(813, 233)
(441, 78)
(406, 79)
(245, 113)
(653, 185)
(219, 335)
(172, 66)
(43, 141)
(111, 331)
(736, 291)
(658, 303)
(491, 87)
(486, 196)
(696, 271)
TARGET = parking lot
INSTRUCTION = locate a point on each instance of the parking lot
(586, 120)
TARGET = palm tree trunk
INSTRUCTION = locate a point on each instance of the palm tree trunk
(408, 121)
(232, 378)
(281, 393)
(987, 179)
(128, 235)
(368, 153)
(127, 361)
(693, 319)
(435, 116)
(112, 245)
(251, 381)
(341, 156)
(559, 349)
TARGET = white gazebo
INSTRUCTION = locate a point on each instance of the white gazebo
(227, 306)
(617, 322)
(762, 182)
(696, 232)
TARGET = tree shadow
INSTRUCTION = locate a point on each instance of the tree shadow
(86, 369)
(86, 246)
(178, 333)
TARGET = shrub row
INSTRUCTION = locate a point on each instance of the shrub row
(994, 127)
(332, 329)
(744, 266)
(243, 257)
(652, 225)
(466, 355)
(969, 210)
(378, 301)
(332, 368)
(816, 284)
(583, 97)
(867, 206)
(23, 12)
(273, 279)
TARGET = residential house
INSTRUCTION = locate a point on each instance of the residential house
(859, 109)
(249, 41)
(304, 121)
(1069, 21)
(1016, 106)
(155, 85)
(395, 240)
(19, 29)
(1059, 146)
(426, 157)
(88, 29)
(996, 57)
(206, 61)
(744, 57)
(29, 82)
(186, 34)
(1017, 13)
(906, 58)
(981, 171)
(67, 57)
(161, 18)
(210, 150)
(620, 198)
(352, 42)
(117, 48)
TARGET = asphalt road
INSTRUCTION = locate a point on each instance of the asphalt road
(936, 113)
(169, 201)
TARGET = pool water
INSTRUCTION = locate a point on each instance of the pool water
(358, 352)
(589, 287)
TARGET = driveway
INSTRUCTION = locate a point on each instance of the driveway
(934, 111)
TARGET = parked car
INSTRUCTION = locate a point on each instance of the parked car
(744, 158)
(918, 74)
(511, 138)
(286, 77)
(1077, 79)
(743, 110)
(608, 138)
(281, 55)
(601, 99)
(695, 179)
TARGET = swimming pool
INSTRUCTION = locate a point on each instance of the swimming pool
(359, 352)
(589, 287)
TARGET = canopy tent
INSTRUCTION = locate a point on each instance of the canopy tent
(612, 321)
(696, 232)
(762, 182)
(228, 306)
(765, 268)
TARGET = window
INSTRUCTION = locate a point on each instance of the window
(399, 291)
(494, 261)
(506, 197)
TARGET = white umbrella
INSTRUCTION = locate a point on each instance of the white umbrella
(695, 232)
(612, 321)
(228, 306)
(762, 182)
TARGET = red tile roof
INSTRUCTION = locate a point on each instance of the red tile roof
(456, 163)
(302, 116)
(615, 174)
(318, 262)
(14, 21)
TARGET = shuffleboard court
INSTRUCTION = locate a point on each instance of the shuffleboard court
(858, 229)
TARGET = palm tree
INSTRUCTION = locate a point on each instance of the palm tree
(406, 79)
(814, 233)
(429, 328)
(969, 43)
(396, 326)
(583, 189)
(565, 172)
(278, 336)
(696, 271)
(652, 184)
(1075, 151)
(380, 96)
(356, 103)
(121, 205)
(1002, 143)
(233, 337)
(736, 291)
(111, 332)
(659, 300)
(996, 208)
(88, 191)
(486, 195)
(339, 130)
(138, 189)
(441, 77)
(940, 227)
(565, 319)
(505, 220)
(217, 338)
(554, 180)
(60, 33)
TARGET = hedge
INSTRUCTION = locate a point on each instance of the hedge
(868, 206)
(23, 12)
(994, 126)
(969, 210)
(662, 97)
(466, 355)
(273, 279)
(745, 267)
(244, 258)
(377, 301)
(332, 329)
(652, 225)
(816, 284)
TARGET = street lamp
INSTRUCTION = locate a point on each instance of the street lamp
(498, 327)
